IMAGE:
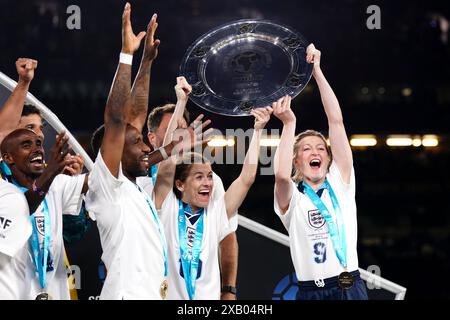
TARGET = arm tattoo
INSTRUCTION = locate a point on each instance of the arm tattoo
(117, 99)
(140, 91)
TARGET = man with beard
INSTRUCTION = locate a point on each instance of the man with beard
(132, 238)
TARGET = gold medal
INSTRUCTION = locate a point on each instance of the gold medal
(345, 280)
(43, 296)
(163, 289)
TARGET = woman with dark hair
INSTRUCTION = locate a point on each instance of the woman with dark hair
(197, 213)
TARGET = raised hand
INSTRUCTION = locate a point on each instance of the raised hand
(187, 138)
(77, 167)
(130, 42)
(56, 163)
(200, 135)
(282, 110)
(313, 56)
(151, 45)
(262, 116)
(25, 69)
(59, 157)
(182, 89)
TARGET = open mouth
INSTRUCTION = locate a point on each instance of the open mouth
(204, 194)
(144, 159)
(315, 163)
(37, 161)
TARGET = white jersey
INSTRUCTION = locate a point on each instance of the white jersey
(311, 247)
(63, 197)
(132, 248)
(146, 183)
(15, 229)
(216, 226)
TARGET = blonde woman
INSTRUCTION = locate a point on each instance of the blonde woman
(317, 204)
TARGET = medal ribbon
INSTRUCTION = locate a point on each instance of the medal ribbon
(40, 257)
(153, 173)
(189, 262)
(337, 232)
(162, 236)
(4, 170)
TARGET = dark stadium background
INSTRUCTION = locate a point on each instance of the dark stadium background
(402, 193)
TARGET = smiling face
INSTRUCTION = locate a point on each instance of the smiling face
(135, 154)
(196, 188)
(312, 159)
(24, 153)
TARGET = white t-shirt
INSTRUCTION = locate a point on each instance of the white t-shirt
(63, 197)
(15, 229)
(311, 247)
(132, 248)
(216, 226)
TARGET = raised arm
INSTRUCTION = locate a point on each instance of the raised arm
(285, 152)
(182, 90)
(141, 86)
(12, 109)
(235, 194)
(340, 146)
(118, 105)
(166, 169)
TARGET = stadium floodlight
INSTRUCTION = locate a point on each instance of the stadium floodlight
(399, 141)
(363, 140)
(430, 140)
(219, 141)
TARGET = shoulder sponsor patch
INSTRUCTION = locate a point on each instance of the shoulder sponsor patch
(315, 219)
(5, 223)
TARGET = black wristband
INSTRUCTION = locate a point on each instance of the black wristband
(229, 289)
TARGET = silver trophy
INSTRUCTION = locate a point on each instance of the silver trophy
(246, 64)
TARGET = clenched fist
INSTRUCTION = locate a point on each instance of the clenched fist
(25, 69)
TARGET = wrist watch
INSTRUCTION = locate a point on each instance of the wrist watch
(229, 289)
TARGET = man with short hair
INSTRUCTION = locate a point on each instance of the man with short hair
(49, 194)
(132, 238)
(157, 123)
(74, 226)
(31, 118)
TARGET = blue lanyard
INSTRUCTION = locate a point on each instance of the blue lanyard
(34, 241)
(40, 257)
(4, 170)
(189, 262)
(162, 236)
(337, 232)
(154, 172)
